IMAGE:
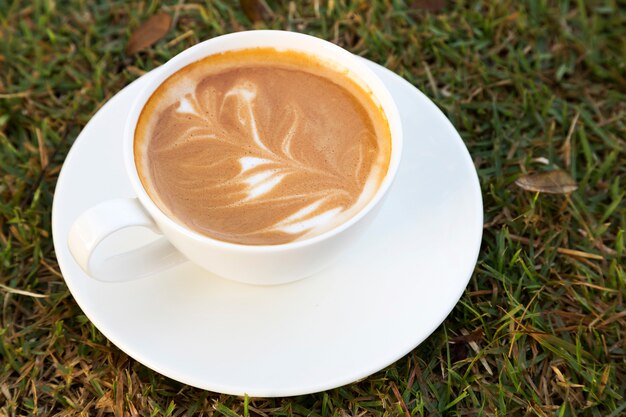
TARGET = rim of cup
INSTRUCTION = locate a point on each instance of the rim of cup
(321, 49)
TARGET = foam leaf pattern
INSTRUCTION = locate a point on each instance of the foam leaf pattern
(274, 169)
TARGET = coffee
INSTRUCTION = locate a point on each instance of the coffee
(261, 147)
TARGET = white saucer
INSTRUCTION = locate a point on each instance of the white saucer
(376, 305)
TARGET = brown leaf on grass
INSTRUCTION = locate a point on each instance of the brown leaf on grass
(552, 182)
(430, 5)
(149, 33)
(256, 10)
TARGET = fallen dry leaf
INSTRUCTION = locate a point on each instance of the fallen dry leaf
(149, 32)
(430, 5)
(552, 182)
(256, 10)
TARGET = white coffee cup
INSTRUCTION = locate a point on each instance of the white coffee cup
(254, 264)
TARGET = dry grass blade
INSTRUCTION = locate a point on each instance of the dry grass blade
(603, 381)
(43, 153)
(567, 144)
(21, 292)
(15, 95)
(396, 392)
(554, 343)
(552, 182)
(476, 348)
(149, 33)
(256, 10)
(578, 253)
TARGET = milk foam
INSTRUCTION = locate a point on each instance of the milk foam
(222, 150)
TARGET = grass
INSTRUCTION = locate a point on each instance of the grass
(531, 86)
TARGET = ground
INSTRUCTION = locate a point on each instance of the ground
(531, 86)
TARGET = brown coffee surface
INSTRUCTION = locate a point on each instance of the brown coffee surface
(261, 147)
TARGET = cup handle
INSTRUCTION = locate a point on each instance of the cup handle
(106, 218)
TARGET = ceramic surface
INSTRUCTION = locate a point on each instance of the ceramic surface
(378, 303)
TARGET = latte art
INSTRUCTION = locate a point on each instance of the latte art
(261, 147)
